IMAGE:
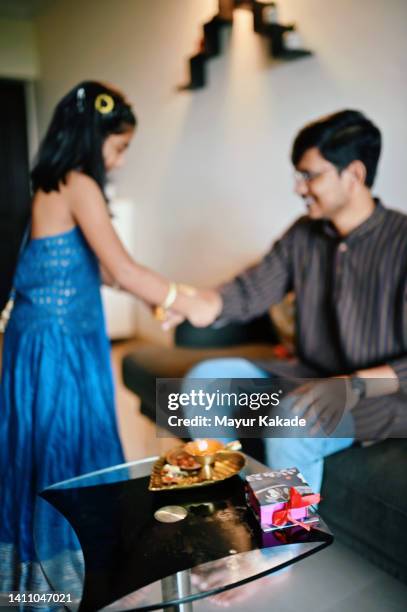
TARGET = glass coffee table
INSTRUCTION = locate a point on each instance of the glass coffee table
(103, 547)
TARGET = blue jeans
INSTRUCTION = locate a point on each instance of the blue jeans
(307, 454)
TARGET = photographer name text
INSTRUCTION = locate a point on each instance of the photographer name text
(235, 423)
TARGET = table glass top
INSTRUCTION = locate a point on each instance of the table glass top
(99, 542)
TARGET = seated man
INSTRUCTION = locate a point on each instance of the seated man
(346, 261)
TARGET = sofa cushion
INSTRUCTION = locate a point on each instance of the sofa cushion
(259, 330)
(365, 502)
(148, 362)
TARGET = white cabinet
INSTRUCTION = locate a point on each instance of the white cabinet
(120, 308)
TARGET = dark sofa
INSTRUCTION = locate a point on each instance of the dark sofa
(365, 489)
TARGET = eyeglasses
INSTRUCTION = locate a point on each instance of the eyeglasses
(308, 176)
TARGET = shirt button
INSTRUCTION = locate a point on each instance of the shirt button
(343, 247)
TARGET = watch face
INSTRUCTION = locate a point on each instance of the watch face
(358, 385)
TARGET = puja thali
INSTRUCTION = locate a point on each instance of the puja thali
(176, 470)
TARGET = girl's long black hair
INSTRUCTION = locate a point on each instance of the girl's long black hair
(81, 121)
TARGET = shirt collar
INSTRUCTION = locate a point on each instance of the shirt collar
(367, 226)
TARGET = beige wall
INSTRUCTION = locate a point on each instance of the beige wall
(18, 50)
(209, 170)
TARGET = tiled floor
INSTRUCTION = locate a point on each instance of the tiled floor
(333, 580)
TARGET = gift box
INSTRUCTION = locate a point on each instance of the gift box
(280, 498)
(270, 538)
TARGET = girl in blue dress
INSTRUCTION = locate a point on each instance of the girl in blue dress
(57, 415)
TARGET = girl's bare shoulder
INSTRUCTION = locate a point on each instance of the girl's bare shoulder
(50, 213)
(77, 182)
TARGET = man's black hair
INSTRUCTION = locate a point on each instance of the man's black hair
(341, 138)
(82, 120)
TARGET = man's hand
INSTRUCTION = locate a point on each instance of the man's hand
(204, 307)
(199, 306)
(322, 403)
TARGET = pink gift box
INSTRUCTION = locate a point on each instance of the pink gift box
(265, 512)
(269, 492)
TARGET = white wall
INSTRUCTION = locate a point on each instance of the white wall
(209, 170)
(18, 51)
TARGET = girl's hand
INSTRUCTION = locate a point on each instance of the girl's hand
(173, 320)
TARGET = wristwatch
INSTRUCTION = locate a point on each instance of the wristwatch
(358, 385)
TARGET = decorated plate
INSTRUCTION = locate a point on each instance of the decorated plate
(178, 456)
(167, 477)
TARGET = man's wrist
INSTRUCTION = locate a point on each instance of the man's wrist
(358, 386)
(380, 381)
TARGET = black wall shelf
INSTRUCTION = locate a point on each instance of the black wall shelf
(265, 23)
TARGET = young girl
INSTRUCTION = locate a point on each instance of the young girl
(57, 415)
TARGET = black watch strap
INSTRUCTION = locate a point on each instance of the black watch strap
(358, 385)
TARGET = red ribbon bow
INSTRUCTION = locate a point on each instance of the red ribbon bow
(296, 500)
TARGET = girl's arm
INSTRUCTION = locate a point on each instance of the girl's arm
(89, 210)
(107, 278)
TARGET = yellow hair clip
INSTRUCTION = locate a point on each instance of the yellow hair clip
(104, 103)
